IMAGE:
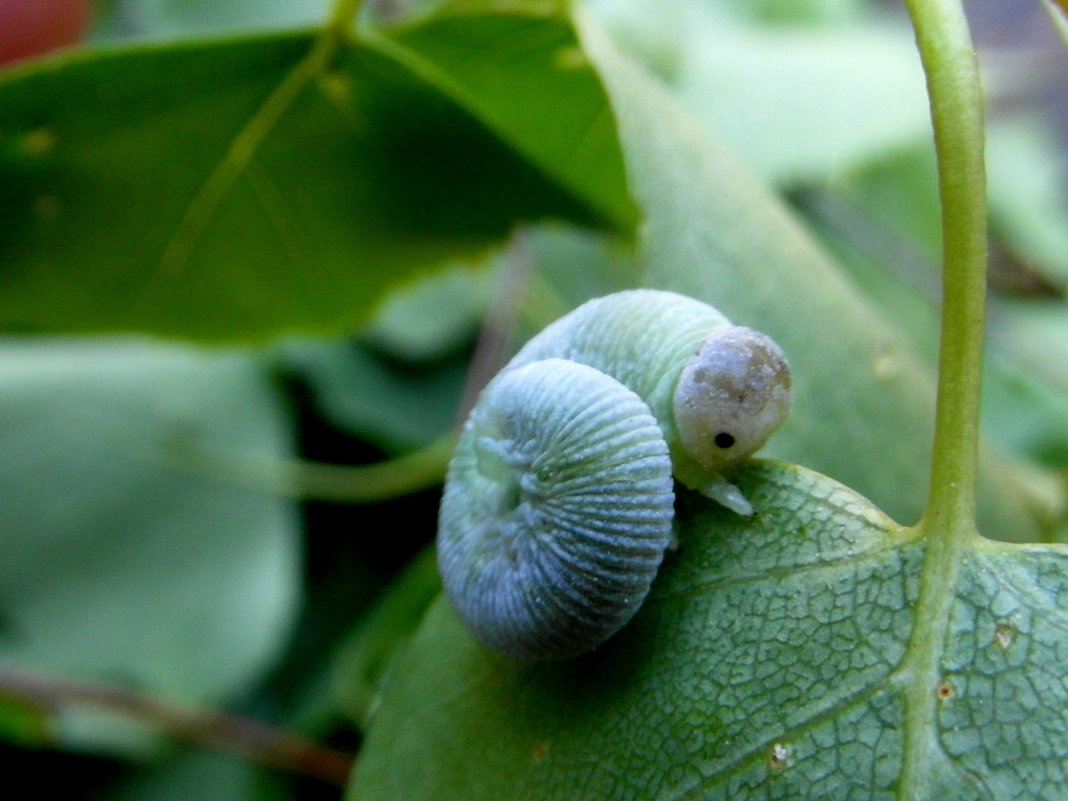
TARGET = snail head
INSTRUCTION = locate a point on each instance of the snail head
(731, 396)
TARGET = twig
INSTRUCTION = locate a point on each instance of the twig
(223, 731)
(492, 344)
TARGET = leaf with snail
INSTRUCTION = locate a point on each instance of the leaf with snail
(777, 656)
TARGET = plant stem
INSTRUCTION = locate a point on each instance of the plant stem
(372, 483)
(956, 111)
(252, 739)
(315, 481)
(492, 346)
(341, 16)
(948, 523)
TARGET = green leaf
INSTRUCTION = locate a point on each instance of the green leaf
(521, 70)
(799, 105)
(435, 316)
(1028, 199)
(396, 407)
(900, 190)
(795, 103)
(368, 653)
(1028, 203)
(163, 19)
(796, 11)
(1023, 414)
(863, 404)
(771, 660)
(124, 563)
(1034, 333)
(189, 774)
(247, 187)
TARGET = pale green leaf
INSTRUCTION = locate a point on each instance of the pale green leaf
(1029, 195)
(795, 102)
(1024, 406)
(863, 409)
(799, 105)
(126, 560)
(164, 19)
(1034, 333)
(433, 316)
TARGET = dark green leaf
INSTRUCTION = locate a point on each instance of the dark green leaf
(201, 774)
(243, 188)
(367, 655)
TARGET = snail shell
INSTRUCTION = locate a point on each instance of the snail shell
(558, 503)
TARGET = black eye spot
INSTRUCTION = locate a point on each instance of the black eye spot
(724, 440)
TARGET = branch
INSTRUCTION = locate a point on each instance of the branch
(222, 731)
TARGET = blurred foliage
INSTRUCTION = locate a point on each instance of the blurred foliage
(356, 206)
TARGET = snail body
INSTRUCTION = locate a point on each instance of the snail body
(559, 500)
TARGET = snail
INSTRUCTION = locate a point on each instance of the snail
(559, 500)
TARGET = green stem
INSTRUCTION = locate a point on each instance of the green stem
(372, 483)
(956, 110)
(948, 523)
(342, 15)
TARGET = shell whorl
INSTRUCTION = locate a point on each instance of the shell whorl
(557, 510)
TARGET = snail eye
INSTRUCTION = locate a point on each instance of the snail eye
(724, 440)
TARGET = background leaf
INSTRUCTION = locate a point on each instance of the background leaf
(794, 102)
(398, 407)
(1029, 196)
(126, 562)
(163, 19)
(244, 209)
(188, 776)
(863, 410)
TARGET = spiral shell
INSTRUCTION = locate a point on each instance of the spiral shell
(557, 510)
(558, 504)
